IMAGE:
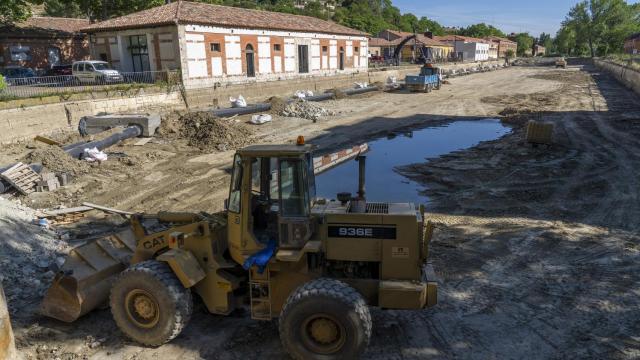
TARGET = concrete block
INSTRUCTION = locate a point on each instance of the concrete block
(99, 123)
(64, 179)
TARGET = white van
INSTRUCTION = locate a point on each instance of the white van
(95, 72)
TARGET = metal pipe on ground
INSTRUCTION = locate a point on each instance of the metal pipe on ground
(128, 133)
(249, 109)
(7, 341)
(260, 107)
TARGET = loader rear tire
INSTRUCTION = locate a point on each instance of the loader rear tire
(149, 304)
(325, 319)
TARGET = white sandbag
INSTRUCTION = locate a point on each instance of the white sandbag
(94, 154)
(240, 102)
(361, 85)
(260, 119)
(301, 94)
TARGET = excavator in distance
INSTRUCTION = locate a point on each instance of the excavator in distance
(277, 250)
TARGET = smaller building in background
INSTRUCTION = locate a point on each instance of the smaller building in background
(499, 47)
(467, 48)
(632, 44)
(42, 42)
(386, 42)
(539, 50)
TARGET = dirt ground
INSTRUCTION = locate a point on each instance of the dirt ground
(537, 248)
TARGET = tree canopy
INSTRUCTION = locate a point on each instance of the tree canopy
(371, 16)
(481, 30)
(597, 27)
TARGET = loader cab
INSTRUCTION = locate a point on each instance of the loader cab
(270, 199)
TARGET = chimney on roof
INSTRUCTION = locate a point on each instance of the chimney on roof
(428, 34)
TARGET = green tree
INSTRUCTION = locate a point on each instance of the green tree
(480, 31)
(525, 42)
(601, 25)
(16, 10)
(425, 24)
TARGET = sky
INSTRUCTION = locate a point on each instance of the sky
(508, 15)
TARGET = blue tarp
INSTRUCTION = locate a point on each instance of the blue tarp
(261, 258)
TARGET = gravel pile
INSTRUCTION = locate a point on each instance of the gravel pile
(305, 110)
(29, 257)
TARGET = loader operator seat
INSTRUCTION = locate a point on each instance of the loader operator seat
(263, 197)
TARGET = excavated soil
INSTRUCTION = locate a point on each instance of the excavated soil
(207, 132)
(537, 248)
(56, 160)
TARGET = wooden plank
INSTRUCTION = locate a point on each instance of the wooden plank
(79, 209)
(142, 141)
(106, 209)
(46, 140)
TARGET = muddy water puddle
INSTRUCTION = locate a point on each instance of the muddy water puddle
(383, 183)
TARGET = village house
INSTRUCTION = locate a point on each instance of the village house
(41, 42)
(499, 47)
(539, 50)
(467, 48)
(386, 42)
(213, 44)
(632, 44)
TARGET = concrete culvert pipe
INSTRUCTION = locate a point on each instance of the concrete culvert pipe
(7, 342)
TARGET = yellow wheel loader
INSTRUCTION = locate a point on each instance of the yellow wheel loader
(277, 250)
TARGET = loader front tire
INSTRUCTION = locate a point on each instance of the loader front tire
(149, 304)
(325, 319)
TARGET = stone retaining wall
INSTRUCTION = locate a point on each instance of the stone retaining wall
(25, 122)
(627, 76)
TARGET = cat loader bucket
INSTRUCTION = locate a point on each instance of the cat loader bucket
(84, 282)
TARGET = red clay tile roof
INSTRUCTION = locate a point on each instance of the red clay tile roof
(420, 37)
(500, 39)
(459, 38)
(187, 12)
(69, 25)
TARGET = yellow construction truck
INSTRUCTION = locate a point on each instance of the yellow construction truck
(277, 249)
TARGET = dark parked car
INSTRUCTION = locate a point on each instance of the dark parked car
(59, 70)
(18, 75)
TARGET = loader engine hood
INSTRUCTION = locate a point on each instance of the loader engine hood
(389, 234)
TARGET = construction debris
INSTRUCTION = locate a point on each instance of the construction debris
(49, 182)
(305, 110)
(22, 178)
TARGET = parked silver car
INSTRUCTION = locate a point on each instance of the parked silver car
(95, 72)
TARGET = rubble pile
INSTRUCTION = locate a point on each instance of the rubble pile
(207, 132)
(305, 110)
(30, 255)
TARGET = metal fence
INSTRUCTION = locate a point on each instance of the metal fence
(39, 86)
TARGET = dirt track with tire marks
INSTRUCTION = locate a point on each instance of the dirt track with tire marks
(537, 248)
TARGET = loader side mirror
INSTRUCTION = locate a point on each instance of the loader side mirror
(226, 204)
